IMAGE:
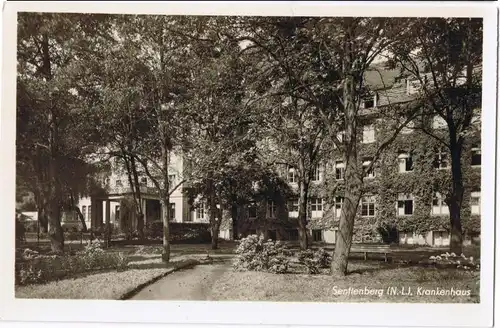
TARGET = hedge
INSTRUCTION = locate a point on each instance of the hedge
(180, 231)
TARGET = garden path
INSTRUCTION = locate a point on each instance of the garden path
(189, 284)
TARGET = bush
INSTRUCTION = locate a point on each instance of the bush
(145, 250)
(35, 268)
(68, 227)
(453, 260)
(179, 232)
(30, 226)
(313, 261)
(256, 254)
(72, 235)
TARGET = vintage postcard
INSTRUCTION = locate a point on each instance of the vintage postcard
(201, 162)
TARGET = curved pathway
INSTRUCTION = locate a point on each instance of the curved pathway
(189, 284)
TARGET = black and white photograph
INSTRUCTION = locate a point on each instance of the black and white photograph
(281, 158)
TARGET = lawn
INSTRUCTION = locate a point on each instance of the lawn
(370, 277)
(401, 276)
(105, 285)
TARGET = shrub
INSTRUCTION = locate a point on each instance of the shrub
(313, 261)
(32, 267)
(179, 232)
(30, 226)
(256, 254)
(453, 260)
(144, 250)
(72, 235)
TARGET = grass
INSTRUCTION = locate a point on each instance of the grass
(145, 265)
(261, 286)
(105, 285)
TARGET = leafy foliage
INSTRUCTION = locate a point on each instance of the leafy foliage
(314, 260)
(180, 232)
(256, 254)
(31, 267)
(458, 261)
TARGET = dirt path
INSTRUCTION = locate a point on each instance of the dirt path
(190, 284)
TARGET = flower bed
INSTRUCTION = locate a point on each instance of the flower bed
(31, 267)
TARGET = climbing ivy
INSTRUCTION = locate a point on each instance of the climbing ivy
(422, 182)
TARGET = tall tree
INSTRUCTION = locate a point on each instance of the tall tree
(336, 53)
(164, 55)
(222, 137)
(444, 56)
(50, 47)
(295, 134)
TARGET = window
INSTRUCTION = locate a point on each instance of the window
(316, 204)
(271, 234)
(293, 208)
(271, 209)
(172, 212)
(252, 211)
(339, 201)
(368, 206)
(439, 206)
(292, 176)
(441, 159)
(476, 156)
(408, 128)
(405, 161)
(339, 170)
(171, 180)
(200, 212)
(368, 102)
(340, 137)
(317, 235)
(405, 204)
(119, 183)
(117, 212)
(438, 122)
(293, 234)
(368, 133)
(89, 212)
(475, 202)
(84, 212)
(366, 163)
(316, 173)
(413, 85)
(144, 181)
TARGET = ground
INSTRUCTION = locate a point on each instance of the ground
(196, 283)
(215, 279)
(219, 282)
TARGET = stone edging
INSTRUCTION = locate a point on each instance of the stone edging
(189, 263)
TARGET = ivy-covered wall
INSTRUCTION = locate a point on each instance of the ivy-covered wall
(421, 182)
(388, 182)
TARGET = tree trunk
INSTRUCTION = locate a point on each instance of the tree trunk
(56, 234)
(353, 180)
(165, 207)
(80, 216)
(78, 212)
(302, 219)
(456, 198)
(43, 220)
(215, 237)
(214, 219)
(234, 217)
(214, 223)
(138, 198)
(346, 225)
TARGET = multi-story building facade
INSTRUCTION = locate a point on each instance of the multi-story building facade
(403, 197)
